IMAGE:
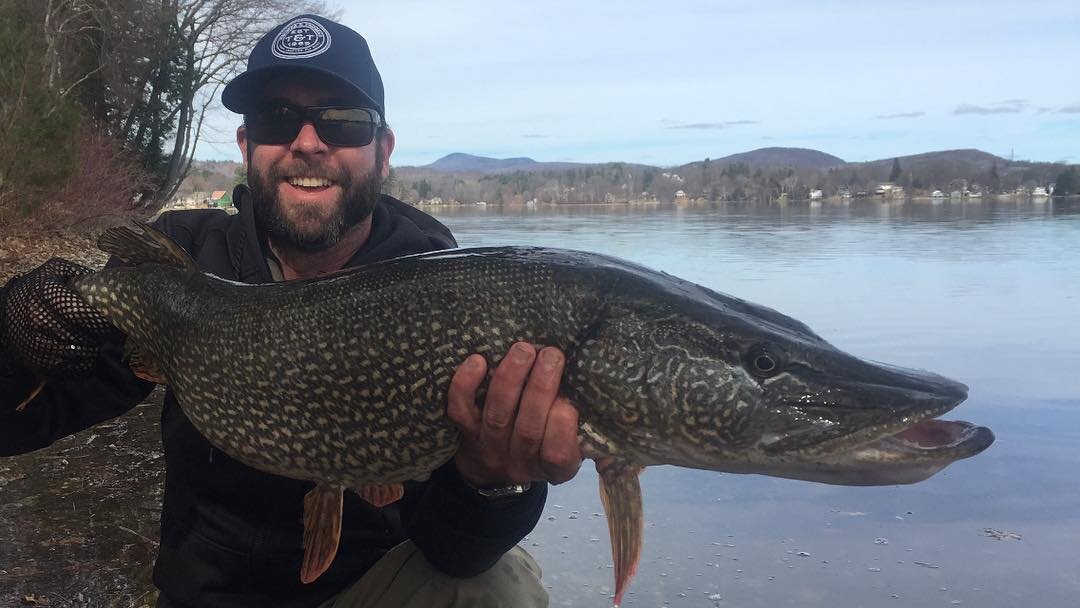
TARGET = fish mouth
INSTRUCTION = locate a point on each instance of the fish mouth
(937, 434)
(933, 439)
(911, 454)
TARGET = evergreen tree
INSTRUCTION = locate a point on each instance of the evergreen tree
(1068, 182)
(894, 175)
(994, 180)
(38, 125)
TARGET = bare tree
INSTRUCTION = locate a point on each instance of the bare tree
(215, 37)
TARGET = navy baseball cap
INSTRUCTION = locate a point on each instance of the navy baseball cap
(314, 44)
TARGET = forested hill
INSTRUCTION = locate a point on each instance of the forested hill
(783, 157)
(763, 174)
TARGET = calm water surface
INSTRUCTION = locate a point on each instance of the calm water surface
(986, 293)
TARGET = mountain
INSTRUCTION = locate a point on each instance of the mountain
(799, 158)
(459, 162)
(954, 161)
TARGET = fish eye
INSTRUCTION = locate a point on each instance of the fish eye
(763, 362)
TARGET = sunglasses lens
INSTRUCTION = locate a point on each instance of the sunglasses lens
(273, 125)
(346, 126)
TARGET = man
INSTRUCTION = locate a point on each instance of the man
(317, 147)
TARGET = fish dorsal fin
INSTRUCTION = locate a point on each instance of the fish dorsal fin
(322, 529)
(143, 244)
(620, 493)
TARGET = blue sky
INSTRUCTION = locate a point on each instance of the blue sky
(666, 83)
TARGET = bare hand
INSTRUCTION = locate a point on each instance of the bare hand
(525, 431)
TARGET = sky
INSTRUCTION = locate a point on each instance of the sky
(666, 83)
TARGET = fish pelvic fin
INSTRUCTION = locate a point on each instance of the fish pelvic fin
(620, 493)
(382, 495)
(34, 393)
(141, 243)
(322, 530)
(143, 365)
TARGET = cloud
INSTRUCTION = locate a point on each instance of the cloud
(1009, 106)
(700, 125)
(1073, 109)
(902, 115)
(704, 126)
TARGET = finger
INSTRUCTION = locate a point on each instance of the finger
(461, 396)
(503, 396)
(540, 392)
(560, 453)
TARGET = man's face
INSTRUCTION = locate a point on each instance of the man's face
(307, 194)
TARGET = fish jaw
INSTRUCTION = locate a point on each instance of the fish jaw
(908, 456)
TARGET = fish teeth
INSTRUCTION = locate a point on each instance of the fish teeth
(309, 182)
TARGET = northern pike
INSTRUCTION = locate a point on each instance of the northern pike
(342, 380)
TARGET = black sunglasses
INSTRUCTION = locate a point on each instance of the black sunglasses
(342, 126)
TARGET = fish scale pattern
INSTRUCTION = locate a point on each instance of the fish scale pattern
(341, 379)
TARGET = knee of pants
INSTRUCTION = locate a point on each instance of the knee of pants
(513, 581)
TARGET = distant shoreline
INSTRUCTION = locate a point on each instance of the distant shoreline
(922, 199)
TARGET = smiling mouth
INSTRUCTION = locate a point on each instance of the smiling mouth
(309, 183)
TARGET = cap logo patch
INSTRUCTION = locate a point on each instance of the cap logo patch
(301, 39)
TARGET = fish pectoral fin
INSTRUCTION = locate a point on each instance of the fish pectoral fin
(322, 529)
(620, 493)
(143, 365)
(382, 495)
(143, 244)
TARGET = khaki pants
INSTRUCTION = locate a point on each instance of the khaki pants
(404, 578)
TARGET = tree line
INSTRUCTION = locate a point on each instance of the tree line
(713, 181)
(103, 101)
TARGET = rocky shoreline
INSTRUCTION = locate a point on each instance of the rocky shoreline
(79, 519)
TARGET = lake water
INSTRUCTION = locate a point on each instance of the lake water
(986, 293)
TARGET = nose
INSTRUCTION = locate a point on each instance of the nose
(307, 141)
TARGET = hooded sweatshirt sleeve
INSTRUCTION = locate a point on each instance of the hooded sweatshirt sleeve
(463, 533)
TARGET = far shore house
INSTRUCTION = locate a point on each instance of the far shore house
(203, 200)
(220, 198)
(816, 194)
(889, 190)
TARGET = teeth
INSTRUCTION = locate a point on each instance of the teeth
(309, 182)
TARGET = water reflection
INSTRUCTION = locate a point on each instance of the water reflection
(986, 292)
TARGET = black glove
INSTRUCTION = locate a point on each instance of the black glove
(48, 328)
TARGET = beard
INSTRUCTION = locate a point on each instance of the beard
(309, 229)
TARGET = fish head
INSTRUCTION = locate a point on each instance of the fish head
(762, 393)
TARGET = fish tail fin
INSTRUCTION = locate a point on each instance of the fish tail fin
(620, 493)
(143, 244)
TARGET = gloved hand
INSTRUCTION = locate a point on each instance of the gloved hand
(48, 328)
